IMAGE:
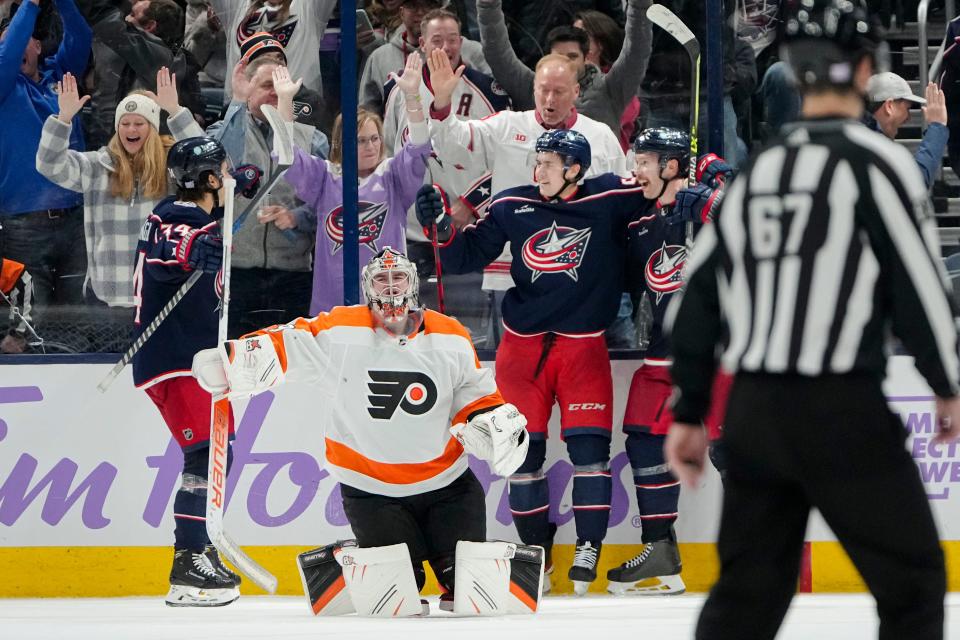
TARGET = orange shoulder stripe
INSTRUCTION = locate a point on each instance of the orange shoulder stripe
(434, 322)
(485, 402)
(10, 272)
(353, 316)
(393, 472)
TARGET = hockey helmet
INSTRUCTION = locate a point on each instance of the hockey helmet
(668, 144)
(571, 145)
(824, 40)
(391, 287)
(189, 161)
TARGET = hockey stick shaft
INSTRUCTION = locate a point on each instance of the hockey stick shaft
(149, 331)
(669, 22)
(441, 304)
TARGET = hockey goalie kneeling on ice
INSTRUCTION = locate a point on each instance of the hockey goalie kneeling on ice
(405, 400)
(489, 579)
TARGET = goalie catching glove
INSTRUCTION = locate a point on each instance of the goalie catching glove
(239, 367)
(498, 436)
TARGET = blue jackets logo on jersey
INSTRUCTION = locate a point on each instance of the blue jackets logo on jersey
(413, 392)
(555, 250)
(664, 269)
(371, 216)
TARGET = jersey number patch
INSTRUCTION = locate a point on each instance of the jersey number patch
(410, 391)
(777, 224)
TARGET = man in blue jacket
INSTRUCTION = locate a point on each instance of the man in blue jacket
(889, 99)
(42, 223)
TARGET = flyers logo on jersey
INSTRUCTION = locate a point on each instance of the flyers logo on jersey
(371, 217)
(664, 269)
(410, 391)
(555, 250)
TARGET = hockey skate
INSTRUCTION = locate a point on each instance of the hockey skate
(584, 569)
(194, 582)
(547, 569)
(655, 571)
(214, 557)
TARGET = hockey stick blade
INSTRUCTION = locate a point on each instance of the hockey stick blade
(282, 140)
(669, 22)
(283, 147)
(149, 331)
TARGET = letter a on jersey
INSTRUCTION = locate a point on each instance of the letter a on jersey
(413, 392)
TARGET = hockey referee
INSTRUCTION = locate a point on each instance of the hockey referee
(824, 246)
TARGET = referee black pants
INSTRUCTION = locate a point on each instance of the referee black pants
(795, 443)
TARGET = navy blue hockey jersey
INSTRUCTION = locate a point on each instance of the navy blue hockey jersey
(657, 255)
(568, 257)
(192, 325)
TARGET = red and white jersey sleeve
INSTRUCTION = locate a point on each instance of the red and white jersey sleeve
(388, 403)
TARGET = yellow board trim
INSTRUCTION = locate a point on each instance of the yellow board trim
(47, 572)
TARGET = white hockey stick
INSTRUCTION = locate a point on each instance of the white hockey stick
(283, 147)
(220, 406)
(669, 22)
(220, 432)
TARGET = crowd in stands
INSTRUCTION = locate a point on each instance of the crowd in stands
(94, 92)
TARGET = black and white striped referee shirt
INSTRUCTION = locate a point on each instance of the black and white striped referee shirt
(824, 244)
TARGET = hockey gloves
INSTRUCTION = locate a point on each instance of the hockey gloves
(697, 204)
(199, 250)
(498, 436)
(713, 171)
(432, 208)
(248, 180)
(241, 367)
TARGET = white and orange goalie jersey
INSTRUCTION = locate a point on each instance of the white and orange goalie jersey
(389, 401)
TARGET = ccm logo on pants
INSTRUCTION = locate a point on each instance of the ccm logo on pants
(586, 406)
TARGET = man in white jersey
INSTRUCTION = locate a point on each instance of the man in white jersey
(504, 143)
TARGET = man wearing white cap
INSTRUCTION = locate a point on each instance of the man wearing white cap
(888, 108)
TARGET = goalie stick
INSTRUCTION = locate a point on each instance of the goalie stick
(669, 22)
(283, 146)
(219, 435)
(220, 405)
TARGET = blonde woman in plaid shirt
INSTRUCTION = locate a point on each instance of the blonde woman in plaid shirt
(121, 184)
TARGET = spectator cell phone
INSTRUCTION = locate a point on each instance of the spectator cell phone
(363, 21)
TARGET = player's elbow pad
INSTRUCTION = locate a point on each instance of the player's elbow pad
(239, 367)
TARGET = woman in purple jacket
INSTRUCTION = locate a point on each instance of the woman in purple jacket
(388, 186)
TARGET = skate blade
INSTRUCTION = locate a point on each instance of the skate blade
(580, 587)
(183, 596)
(658, 586)
(547, 582)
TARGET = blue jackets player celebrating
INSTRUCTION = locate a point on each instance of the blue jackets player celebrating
(656, 265)
(569, 238)
(179, 237)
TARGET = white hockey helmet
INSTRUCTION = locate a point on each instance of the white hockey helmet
(391, 287)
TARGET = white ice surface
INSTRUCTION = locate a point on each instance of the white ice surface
(819, 617)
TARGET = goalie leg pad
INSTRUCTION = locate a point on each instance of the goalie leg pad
(497, 578)
(380, 581)
(323, 581)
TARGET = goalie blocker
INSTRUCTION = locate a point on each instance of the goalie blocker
(492, 579)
